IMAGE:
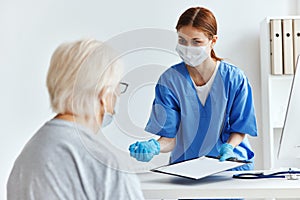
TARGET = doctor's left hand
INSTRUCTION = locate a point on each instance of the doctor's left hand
(226, 152)
(145, 150)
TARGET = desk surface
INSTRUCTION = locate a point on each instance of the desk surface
(221, 185)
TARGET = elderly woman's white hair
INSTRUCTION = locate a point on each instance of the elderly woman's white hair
(78, 73)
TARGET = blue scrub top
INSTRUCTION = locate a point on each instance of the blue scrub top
(202, 129)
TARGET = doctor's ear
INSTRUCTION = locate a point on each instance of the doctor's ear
(213, 41)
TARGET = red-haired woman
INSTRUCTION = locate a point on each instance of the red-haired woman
(203, 105)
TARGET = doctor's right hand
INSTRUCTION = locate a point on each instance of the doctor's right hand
(145, 150)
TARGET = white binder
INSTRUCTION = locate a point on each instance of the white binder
(287, 42)
(276, 47)
(296, 34)
(198, 168)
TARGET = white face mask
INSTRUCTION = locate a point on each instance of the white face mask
(192, 56)
(108, 117)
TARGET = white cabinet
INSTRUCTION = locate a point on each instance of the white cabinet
(275, 90)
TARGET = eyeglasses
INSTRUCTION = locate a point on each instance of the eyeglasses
(123, 87)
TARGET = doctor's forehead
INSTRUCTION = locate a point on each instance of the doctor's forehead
(189, 32)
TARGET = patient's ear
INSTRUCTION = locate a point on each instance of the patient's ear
(107, 100)
(102, 103)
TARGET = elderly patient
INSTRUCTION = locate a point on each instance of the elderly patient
(65, 159)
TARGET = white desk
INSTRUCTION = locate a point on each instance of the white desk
(222, 185)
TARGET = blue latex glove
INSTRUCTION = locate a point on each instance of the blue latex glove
(145, 150)
(226, 152)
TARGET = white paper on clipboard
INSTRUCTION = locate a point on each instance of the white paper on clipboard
(198, 168)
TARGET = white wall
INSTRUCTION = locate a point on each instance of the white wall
(30, 31)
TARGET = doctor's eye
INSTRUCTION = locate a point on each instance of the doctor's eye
(182, 41)
(197, 43)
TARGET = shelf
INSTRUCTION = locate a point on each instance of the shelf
(275, 93)
(287, 77)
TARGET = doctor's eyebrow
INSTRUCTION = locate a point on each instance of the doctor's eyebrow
(181, 37)
(194, 39)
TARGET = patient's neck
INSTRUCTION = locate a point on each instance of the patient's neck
(80, 120)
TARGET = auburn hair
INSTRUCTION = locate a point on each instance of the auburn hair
(202, 19)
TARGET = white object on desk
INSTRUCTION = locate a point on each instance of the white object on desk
(198, 168)
(221, 185)
(289, 146)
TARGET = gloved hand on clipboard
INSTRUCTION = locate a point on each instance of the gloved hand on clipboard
(226, 152)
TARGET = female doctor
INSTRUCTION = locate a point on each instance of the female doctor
(203, 105)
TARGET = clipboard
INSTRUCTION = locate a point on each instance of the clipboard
(198, 168)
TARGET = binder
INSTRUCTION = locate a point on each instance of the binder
(276, 47)
(296, 34)
(198, 168)
(287, 42)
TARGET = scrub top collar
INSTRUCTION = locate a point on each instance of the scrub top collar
(203, 91)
